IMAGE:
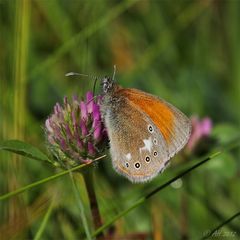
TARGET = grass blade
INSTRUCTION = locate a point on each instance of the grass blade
(81, 207)
(211, 233)
(44, 222)
(45, 180)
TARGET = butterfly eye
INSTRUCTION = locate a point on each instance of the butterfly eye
(147, 159)
(150, 128)
(155, 153)
(137, 165)
(127, 164)
(155, 141)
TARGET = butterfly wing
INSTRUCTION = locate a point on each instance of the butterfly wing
(172, 123)
(137, 153)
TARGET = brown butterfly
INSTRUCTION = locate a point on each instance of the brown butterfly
(144, 131)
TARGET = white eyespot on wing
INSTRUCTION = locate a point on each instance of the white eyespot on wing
(128, 156)
(147, 159)
(155, 153)
(150, 128)
(147, 145)
(137, 165)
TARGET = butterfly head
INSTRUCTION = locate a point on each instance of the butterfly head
(108, 85)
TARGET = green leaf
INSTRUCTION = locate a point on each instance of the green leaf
(24, 149)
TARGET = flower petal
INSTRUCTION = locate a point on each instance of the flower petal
(90, 102)
(97, 130)
(83, 108)
(206, 126)
(83, 128)
(48, 125)
(91, 149)
(96, 112)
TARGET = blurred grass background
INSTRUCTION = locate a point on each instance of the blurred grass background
(187, 52)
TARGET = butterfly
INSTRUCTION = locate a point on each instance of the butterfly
(144, 131)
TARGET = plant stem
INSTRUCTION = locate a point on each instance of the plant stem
(96, 217)
(119, 215)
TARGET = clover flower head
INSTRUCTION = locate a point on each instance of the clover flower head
(75, 132)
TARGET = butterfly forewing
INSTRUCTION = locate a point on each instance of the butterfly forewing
(172, 123)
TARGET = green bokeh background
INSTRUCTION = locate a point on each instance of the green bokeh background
(186, 52)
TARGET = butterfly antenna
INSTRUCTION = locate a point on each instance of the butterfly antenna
(114, 72)
(76, 74)
(85, 75)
